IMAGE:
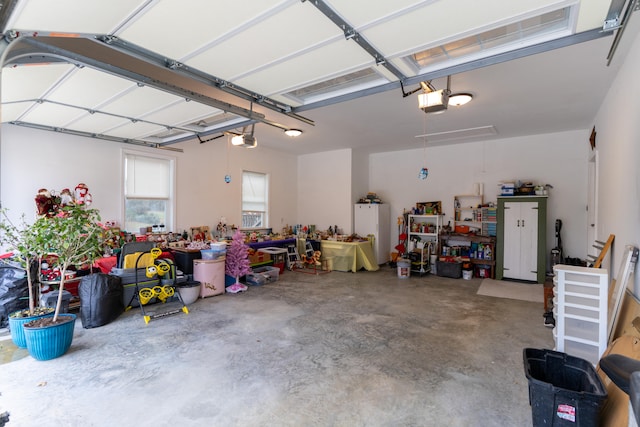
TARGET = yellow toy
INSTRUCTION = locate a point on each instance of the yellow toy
(161, 292)
(156, 252)
(145, 295)
(163, 268)
(151, 271)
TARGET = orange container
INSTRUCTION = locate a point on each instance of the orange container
(463, 229)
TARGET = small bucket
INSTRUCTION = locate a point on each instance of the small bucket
(404, 268)
(467, 274)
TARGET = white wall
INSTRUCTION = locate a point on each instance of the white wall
(324, 190)
(558, 159)
(617, 142)
(204, 197)
(32, 159)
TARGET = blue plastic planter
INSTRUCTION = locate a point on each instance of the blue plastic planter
(49, 342)
(17, 331)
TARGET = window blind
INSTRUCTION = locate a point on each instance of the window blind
(147, 177)
(254, 192)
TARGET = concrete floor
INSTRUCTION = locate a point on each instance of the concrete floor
(338, 349)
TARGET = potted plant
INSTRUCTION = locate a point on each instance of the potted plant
(74, 235)
(21, 241)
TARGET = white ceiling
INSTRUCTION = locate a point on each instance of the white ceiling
(169, 69)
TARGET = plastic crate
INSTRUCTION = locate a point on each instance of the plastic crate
(563, 390)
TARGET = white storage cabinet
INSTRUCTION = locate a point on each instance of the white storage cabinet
(374, 219)
(521, 238)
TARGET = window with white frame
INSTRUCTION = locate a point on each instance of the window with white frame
(255, 198)
(148, 191)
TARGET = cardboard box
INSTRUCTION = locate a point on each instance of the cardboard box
(258, 257)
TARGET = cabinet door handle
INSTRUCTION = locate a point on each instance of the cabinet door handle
(523, 222)
(518, 224)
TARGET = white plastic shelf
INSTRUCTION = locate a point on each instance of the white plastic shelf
(580, 309)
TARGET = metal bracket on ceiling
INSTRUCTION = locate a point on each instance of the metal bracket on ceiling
(425, 86)
(173, 65)
(613, 17)
(108, 39)
(202, 141)
(351, 34)
(10, 35)
(615, 14)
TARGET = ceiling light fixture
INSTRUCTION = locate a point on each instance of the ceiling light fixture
(237, 140)
(458, 99)
(244, 139)
(293, 132)
(434, 101)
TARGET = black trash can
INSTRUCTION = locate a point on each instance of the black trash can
(563, 390)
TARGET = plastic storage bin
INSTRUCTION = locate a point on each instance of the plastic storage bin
(209, 254)
(50, 299)
(270, 273)
(255, 279)
(449, 269)
(218, 246)
(563, 390)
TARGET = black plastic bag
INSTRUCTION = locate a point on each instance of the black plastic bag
(100, 299)
(14, 292)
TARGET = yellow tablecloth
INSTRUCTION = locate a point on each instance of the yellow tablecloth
(348, 256)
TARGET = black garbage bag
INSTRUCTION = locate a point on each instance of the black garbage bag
(100, 299)
(14, 292)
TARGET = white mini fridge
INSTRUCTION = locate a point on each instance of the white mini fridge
(374, 219)
(210, 274)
